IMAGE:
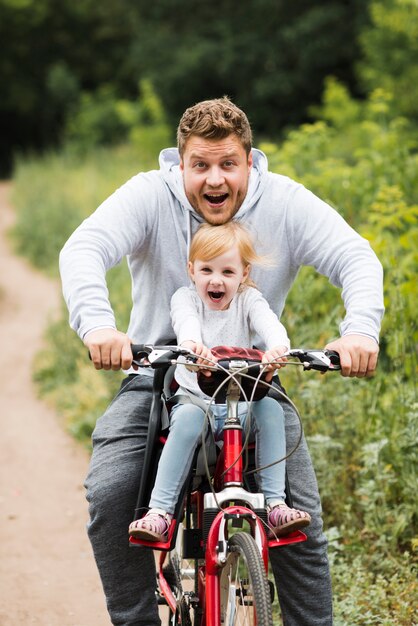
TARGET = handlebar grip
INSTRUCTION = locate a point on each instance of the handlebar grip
(334, 357)
(140, 350)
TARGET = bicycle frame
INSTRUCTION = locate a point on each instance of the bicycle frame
(231, 504)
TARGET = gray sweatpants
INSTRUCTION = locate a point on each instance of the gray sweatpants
(128, 574)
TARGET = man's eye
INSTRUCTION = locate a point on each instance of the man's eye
(228, 164)
(200, 165)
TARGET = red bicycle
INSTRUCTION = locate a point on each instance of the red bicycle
(213, 569)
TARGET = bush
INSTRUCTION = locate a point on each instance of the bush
(103, 119)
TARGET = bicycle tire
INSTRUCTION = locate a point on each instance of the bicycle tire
(245, 594)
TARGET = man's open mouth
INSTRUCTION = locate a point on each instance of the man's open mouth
(216, 296)
(215, 199)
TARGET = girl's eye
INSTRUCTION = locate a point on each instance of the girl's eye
(228, 272)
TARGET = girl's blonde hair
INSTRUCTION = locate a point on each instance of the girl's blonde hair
(211, 241)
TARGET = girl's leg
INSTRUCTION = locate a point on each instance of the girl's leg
(268, 424)
(186, 425)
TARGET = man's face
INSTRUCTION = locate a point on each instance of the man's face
(215, 174)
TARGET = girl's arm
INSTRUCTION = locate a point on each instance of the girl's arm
(186, 324)
(185, 317)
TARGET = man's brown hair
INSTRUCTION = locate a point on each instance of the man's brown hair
(214, 119)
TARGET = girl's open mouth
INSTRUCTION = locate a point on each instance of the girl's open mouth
(216, 296)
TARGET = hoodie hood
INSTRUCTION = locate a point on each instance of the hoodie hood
(169, 161)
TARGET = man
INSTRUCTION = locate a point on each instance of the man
(214, 176)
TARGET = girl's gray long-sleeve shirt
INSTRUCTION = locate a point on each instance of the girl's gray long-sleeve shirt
(248, 317)
(150, 220)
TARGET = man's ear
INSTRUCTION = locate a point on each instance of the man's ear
(250, 161)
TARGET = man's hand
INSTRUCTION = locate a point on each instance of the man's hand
(109, 349)
(358, 355)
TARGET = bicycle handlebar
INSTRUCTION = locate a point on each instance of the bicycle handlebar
(148, 355)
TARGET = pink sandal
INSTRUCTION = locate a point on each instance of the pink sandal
(283, 520)
(151, 527)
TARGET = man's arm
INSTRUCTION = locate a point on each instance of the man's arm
(116, 229)
(321, 238)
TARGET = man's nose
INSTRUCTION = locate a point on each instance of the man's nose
(215, 177)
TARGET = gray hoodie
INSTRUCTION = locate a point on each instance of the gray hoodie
(150, 220)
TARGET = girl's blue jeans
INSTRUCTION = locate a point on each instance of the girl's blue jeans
(186, 425)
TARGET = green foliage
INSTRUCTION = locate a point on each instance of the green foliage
(373, 593)
(51, 50)
(361, 158)
(99, 120)
(103, 119)
(270, 56)
(390, 47)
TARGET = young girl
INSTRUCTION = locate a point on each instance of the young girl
(222, 308)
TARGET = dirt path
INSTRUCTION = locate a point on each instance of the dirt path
(47, 573)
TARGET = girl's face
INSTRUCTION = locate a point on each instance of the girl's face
(217, 281)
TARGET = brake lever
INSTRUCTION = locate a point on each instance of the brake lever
(157, 356)
(320, 360)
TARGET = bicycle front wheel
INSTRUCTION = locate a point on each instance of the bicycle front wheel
(244, 590)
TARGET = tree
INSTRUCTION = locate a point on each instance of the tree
(390, 48)
(270, 56)
(50, 52)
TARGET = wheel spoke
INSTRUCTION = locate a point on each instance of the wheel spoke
(244, 591)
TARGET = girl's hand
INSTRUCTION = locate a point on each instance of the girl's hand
(205, 355)
(276, 355)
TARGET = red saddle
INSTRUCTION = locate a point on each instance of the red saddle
(209, 384)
